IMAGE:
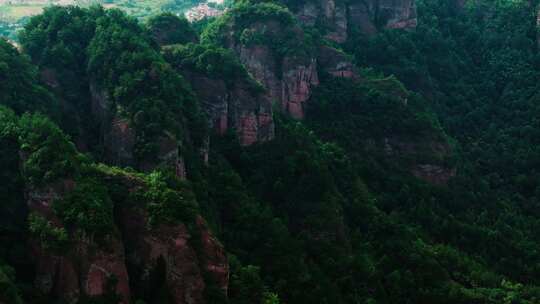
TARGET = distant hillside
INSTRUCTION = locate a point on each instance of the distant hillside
(15, 13)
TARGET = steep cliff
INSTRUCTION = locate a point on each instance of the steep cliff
(336, 63)
(72, 263)
(121, 102)
(330, 15)
(274, 49)
(338, 18)
(231, 98)
(284, 59)
(97, 231)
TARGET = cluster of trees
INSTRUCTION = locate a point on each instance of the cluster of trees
(212, 61)
(480, 76)
(265, 23)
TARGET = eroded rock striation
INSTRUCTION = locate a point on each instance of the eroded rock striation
(228, 94)
(274, 50)
(289, 80)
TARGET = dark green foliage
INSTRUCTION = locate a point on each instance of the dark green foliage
(143, 87)
(168, 203)
(12, 207)
(327, 212)
(211, 61)
(265, 23)
(48, 154)
(109, 296)
(51, 237)
(57, 41)
(480, 76)
(88, 52)
(19, 86)
(167, 28)
(9, 293)
(246, 285)
(87, 207)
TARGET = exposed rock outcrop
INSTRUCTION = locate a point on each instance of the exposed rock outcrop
(119, 142)
(162, 257)
(367, 16)
(235, 106)
(213, 256)
(371, 15)
(434, 174)
(117, 134)
(337, 63)
(119, 138)
(290, 76)
(289, 79)
(428, 161)
(81, 268)
(232, 99)
(332, 14)
(170, 256)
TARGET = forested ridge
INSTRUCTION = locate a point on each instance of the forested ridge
(285, 152)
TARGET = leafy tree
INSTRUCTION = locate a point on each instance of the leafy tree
(20, 89)
(87, 207)
(168, 28)
(48, 153)
(51, 237)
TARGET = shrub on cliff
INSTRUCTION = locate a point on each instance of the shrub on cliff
(51, 237)
(87, 208)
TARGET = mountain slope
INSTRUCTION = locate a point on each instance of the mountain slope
(295, 152)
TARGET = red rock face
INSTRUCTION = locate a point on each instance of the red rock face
(433, 174)
(234, 107)
(297, 84)
(339, 16)
(172, 245)
(90, 274)
(103, 266)
(120, 143)
(73, 271)
(87, 267)
(292, 88)
(221, 124)
(333, 13)
(248, 129)
(214, 258)
(336, 63)
(184, 277)
(67, 281)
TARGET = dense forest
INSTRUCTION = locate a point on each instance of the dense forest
(290, 151)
